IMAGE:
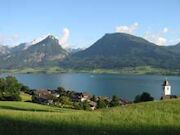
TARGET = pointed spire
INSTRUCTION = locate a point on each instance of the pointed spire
(166, 83)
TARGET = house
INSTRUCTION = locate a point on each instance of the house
(43, 97)
(93, 105)
(124, 102)
(85, 96)
(54, 93)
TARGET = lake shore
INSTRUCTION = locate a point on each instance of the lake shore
(144, 70)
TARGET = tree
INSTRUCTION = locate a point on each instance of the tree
(101, 103)
(10, 89)
(115, 101)
(77, 105)
(93, 98)
(61, 91)
(26, 89)
(2, 88)
(86, 105)
(64, 100)
(144, 97)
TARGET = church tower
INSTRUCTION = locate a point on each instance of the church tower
(166, 88)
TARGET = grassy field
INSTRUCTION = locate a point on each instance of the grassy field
(152, 118)
(25, 97)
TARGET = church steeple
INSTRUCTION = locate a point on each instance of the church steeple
(166, 88)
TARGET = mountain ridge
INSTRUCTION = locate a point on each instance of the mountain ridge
(119, 50)
(112, 51)
(47, 52)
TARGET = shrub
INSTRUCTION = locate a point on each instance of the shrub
(115, 101)
(144, 97)
(64, 100)
(86, 106)
(101, 103)
(93, 98)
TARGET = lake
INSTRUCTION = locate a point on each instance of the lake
(125, 86)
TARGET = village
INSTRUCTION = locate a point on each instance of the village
(75, 100)
(84, 100)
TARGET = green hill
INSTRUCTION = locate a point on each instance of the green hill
(151, 118)
(119, 50)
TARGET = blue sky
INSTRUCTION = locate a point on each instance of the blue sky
(79, 23)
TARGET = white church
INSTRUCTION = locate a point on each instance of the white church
(167, 90)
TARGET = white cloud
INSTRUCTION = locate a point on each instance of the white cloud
(127, 29)
(64, 39)
(165, 30)
(161, 41)
(158, 39)
(9, 39)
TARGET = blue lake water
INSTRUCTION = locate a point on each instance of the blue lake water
(125, 86)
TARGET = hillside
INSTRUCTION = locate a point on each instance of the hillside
(118, 50)
(151, 118)
(175, 48)
(4, 50)
(39, 53)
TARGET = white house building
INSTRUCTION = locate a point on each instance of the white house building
(166, 88)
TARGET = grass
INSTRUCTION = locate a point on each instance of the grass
(25, 97)
(151, 118)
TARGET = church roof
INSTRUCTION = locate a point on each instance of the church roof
(165, 83)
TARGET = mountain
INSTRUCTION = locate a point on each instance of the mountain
(118, 50)
(175, 48)
(38, 53)
(112, 51)
(4, 50)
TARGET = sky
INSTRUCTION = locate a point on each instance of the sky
(80, 23)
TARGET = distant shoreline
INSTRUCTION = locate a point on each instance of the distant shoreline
(144, 70)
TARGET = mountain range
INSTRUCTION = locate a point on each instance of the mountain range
(112, 51)
(40, 53)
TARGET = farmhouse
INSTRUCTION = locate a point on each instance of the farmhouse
(85, 96)
(54, 93)
(93, 105)
(43, 97)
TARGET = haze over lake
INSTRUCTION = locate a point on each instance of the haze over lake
(125, 86)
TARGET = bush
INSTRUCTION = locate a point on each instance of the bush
(144, 97)
(86, 106)
(93, 98)
(77, 105)
(115, 101)
(62, 91)
(64, 100)
(26, 89)
(101, 103)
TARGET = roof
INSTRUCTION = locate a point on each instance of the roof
(92, 103)
(45, 94)
(166, 83)
(86, 94)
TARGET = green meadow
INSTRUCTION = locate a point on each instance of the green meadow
(150, 118)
